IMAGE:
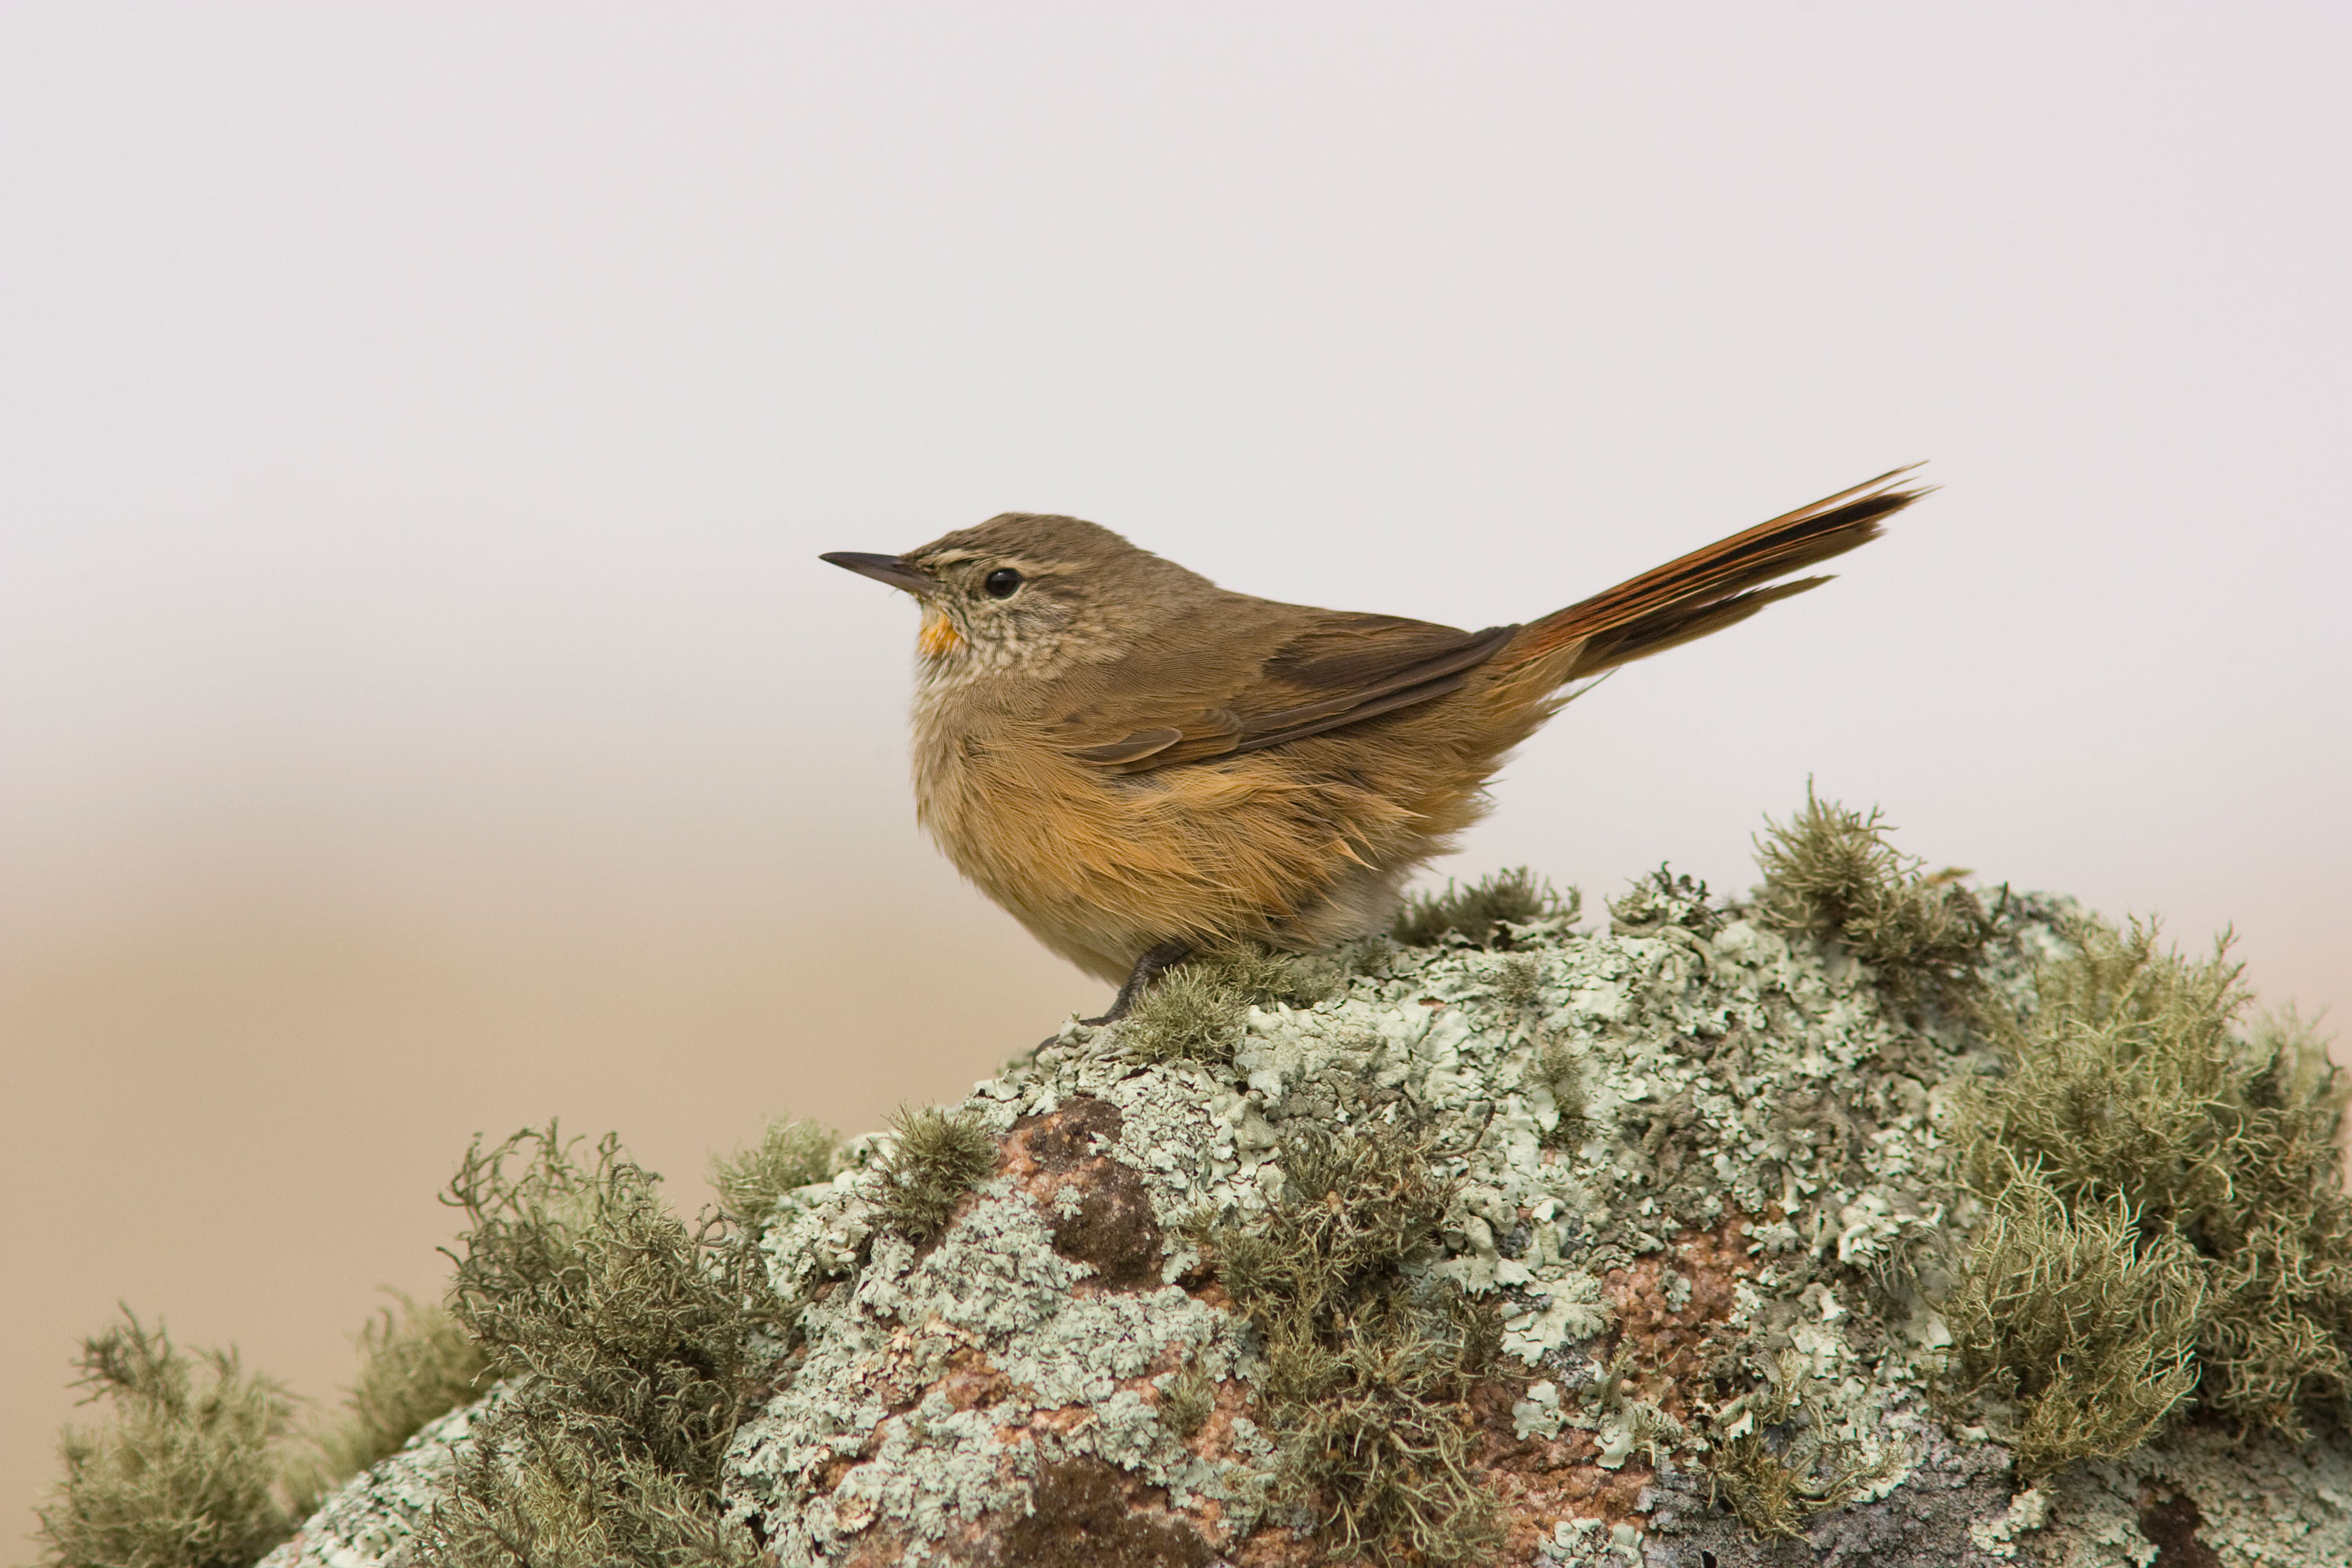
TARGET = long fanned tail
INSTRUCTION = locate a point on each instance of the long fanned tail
(1709, 589)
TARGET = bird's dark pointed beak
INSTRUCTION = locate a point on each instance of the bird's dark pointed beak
(890, 569)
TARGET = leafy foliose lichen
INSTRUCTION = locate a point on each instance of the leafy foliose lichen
(1365, 1371)
(634, 1346)
(1662, 900)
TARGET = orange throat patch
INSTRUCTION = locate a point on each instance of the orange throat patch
(939, 636)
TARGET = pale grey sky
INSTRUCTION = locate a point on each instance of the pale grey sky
(421, 709)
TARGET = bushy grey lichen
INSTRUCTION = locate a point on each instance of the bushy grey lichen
(1785, 1466)
(189, 1474)
(787, 1155)
(2087, 1326)
(1367, 1371)
(1831, 872)
(935, 1158)
(2140, 1149)
(205, 1463)
(1196, 1010)
(1483, 913)
(631, 1346)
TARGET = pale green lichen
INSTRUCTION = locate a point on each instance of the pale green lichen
(993, 1301)
(2266, 1503)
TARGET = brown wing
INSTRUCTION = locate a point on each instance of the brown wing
(1336, 671)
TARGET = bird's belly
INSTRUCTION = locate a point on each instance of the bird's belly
(1101, 868)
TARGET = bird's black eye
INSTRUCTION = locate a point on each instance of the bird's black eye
(1001, 582)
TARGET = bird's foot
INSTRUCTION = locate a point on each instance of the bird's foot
(1148, 968)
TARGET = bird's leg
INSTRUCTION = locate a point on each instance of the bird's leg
(1148, 968)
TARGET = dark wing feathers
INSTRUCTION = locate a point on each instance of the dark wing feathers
(1337, 670)
(1269, 734)
(1383, 652)
(1135, 748)
(1419, 662)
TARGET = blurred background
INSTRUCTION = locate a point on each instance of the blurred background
(422, 712)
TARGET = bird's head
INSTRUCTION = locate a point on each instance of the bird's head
(1026, 591)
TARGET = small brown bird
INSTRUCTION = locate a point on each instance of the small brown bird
(1139, 764)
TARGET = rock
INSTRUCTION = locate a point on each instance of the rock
(372, 1517)
(1693, 1174)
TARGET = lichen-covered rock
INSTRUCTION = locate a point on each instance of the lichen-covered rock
(371, 1518)
(1695, 1182)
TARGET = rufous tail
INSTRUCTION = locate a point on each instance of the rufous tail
(1709, 589)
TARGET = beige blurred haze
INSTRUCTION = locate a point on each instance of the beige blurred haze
(422, 711)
